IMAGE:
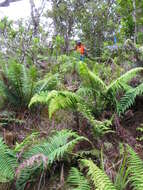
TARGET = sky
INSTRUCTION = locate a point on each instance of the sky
(17, 10)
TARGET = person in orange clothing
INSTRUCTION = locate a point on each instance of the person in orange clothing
(80, 48)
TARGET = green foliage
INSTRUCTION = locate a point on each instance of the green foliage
(43, 154)
(56, 146)
(48, 83)
(141, 131)
(129, 98)
(135, 167)
(56, 100)
(8, 163)
(103, 93)
(121, 82)
(30, 170)
(121, 181)
(89, 78)
(97, 176)
(58, 42)
(99, 127)
(26, 142)
(9, 118)
(77, 180)
(18, 83)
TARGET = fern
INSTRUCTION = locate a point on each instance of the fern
(50, 82)
(99, 127)
(121, 82)
(8, 163)
(135, 167)
(18, 83)
(77, 180)
(56, 100)
(97, 176)
(56, 146)
(26, 142)
(42, 155)
(84, 91)
(101, 92)
(128, 99)
(121, 179)
(28, 175)
(90, 78)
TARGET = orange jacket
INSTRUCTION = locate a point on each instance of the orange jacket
(80, 49)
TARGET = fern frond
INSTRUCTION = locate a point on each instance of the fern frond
(42, 155)
(128, 99)
(90, 78)
(8, 163)
(28, 79)
(18, 83)
(56, 100)
(56, 146)
(50, 82)
(26, 142)
(84, 91)
(27, 175)
(135, 167)
(97, 176)
(37, 159)
(64, 100)
(77, 180)
(99, 127)
(125, 78)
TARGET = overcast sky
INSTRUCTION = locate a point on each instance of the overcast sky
(19, 9)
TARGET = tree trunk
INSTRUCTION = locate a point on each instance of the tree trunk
(135, 22)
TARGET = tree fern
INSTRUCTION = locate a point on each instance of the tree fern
(135, 167)
(8, 163)
(97, 176)
(77, 180)
(129, 98)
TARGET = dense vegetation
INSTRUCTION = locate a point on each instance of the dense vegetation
(65, 123)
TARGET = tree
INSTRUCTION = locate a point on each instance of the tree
(131, 17)
(96, 21)
(36, 15)
(64, 19)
